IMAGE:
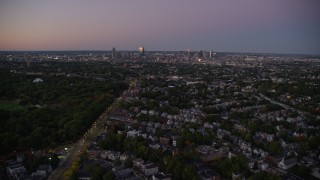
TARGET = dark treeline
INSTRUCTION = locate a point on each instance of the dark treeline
(58, 110)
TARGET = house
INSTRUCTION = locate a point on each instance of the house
(308, 161)
(137, 162)
(263, 166)
(174, 142)
(37, 80)
(20, 158)
(231, 154)
(24, 176)
(118, 168)
(245, 146)
(164, 140)
(208, 125)
(209, 153)
(143, 134)
(274, 160)
(161, 176)
(221, 133)
(144, 164)
(42, 172)
(239, 127)
(316, 172)
(123, 173)
(153, 138)
(287, 164)
(224, 115)
(133, 133)
(113, 155)
(150, 169)
(254, 166)
(236, 176)
(38, 175)
(104, 154)
(205, 150)
(45, 168)
(14, 169)
(154, 146)
(123, 157)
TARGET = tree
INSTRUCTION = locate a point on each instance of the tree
(96, 171)
(302, 171)
(209, 118)
(189, 172)
(69, 106)
(274, 148)
(227, 166)
(109, 176)
(314, 142)
(248, 137)
(304, 147)
(224, 166)
(54, 161)
(128, 162)
(177, 170)
(283, 134)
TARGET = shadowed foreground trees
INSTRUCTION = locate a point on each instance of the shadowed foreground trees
(56, 111)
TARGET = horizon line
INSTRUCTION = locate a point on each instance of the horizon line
(234, 52)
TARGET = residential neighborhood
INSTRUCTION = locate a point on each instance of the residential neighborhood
(227, 118)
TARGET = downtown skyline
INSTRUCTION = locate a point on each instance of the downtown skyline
(287, 26)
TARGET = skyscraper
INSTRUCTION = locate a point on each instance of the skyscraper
(114, 53)
(141, 50)
(212, 54)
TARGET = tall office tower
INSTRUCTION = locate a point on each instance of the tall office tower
(210, 54)
(114, 53)
(141, 50)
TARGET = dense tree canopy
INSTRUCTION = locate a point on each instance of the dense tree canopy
(58, 110)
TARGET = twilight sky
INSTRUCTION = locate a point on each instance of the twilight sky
(274, 26)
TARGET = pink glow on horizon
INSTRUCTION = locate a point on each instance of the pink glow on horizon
(172, 25)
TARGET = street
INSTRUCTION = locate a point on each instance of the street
(83, 144)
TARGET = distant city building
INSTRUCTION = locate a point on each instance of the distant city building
(114, 53)
(200, 54)
(141, 50)
(212, 54)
